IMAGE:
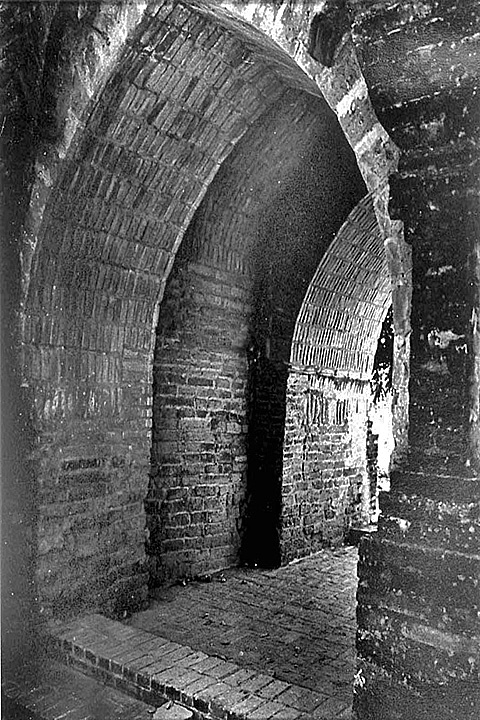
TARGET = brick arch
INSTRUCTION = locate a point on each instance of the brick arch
(150, 144)
(344, 87)
(325, 485)
(338, 326)
(224, 335)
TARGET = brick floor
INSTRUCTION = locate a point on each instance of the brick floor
(295, 623)
(249, 644)
(51, 691)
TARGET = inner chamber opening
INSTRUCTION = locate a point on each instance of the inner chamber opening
(224, 338)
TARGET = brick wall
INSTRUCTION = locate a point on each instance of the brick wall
(324, 462)
(345, 88)
(199, 462)
(437, 181)
(418, 601)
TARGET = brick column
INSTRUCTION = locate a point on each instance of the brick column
(418, 604)
(418, 599)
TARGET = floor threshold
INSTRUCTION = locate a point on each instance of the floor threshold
(153, 669)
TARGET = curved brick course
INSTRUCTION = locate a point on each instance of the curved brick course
(338, 325)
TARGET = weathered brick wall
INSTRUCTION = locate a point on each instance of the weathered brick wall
(199, 462)
(437, 181)
(418, 603)
(418, 595)
(433, 118)
(443, 302)
(95, 262)
(344, 87)
(324, 462)
(326, 486)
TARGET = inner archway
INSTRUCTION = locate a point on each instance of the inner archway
(325, 487)
(224, 337)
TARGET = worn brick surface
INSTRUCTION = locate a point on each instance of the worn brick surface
(50, 691)
(324, 466)
(296, 623)
(248, 644)
(181, 96)
(110, 231)
(219, 379)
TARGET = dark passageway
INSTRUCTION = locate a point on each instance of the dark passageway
(209, 208)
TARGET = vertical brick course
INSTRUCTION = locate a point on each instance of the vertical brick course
(324, 468)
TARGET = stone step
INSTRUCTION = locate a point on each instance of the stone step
(153, 669)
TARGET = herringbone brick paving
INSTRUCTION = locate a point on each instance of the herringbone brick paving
(296, 623)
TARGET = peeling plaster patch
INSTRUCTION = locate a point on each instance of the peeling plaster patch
(425, 51)
(442, 338)
(346, 105)
(435, 127)
(43, 172)
(441, 640)
(440, 271)
(369, 140)
(402, 524)
(419, 10)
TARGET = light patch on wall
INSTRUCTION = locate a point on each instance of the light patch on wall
(431, 272)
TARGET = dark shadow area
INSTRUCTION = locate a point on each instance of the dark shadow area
(293, 236)
(19, 611)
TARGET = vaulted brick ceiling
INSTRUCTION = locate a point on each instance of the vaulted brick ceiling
(339, 323)
(183, 93)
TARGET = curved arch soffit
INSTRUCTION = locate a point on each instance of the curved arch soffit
(340, 320)
(134, 175)
(109, 74)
